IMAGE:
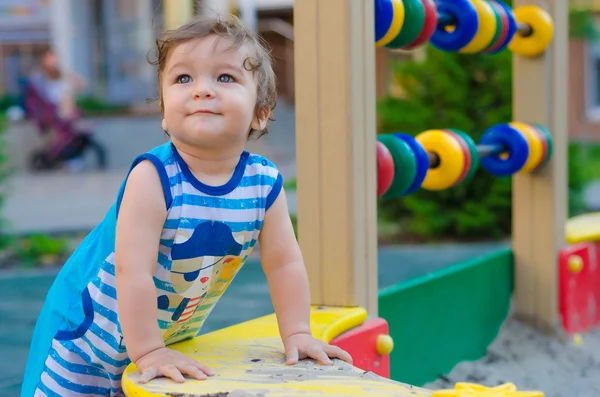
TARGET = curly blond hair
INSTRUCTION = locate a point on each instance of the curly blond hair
(233, 29)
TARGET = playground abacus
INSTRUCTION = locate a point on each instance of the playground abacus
(439, 159)
(466, 26)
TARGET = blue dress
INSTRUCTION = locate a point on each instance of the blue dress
(77, 347)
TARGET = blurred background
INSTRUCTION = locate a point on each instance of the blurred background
(64, 156)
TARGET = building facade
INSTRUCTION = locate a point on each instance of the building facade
(584, 88)
(104, 41)
(24, 33)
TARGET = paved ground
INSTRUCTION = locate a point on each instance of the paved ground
(60, 201)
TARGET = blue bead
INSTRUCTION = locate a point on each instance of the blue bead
(422, 161)
(384, 16)
(514, 143)
(464, 14)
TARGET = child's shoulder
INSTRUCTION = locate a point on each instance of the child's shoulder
(163, 152)
(269, 178)
(259, 164)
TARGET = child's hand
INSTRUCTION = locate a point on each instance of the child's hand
(172, 364)
(301, 346)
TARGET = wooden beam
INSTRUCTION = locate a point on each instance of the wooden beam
(335, 138)
(540, 199)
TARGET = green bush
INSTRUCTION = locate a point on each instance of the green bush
(94, 106)
(90, 105)
(449, 90)
(7, 101)
(582, 24)
(39, 248)
(471, 93)
(584, 167)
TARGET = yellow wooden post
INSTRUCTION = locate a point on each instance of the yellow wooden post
(335, 138)
(540, 199)
(177, 12)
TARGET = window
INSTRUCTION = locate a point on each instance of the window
(592, 81)
(591, 66)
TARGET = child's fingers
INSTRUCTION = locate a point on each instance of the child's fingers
(319, 354)
(172, 372)
(148, 375)
(336, 352)
(203, 368)
(291, 356)
(194, 372)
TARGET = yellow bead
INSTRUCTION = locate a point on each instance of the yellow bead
(542, 27)
(463, 389)
(535, 146)
(384, 345)
(450, 154)
(486, 28)
(396, 26)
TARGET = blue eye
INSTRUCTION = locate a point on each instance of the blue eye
(183, 79)
(225, 78)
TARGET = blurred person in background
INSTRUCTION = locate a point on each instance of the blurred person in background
(52, 102)
(60, 87)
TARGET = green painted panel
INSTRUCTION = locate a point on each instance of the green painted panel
(446, 317)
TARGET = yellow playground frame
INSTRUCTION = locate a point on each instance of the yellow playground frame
(337, 227)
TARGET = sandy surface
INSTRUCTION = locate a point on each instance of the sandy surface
(556, 365)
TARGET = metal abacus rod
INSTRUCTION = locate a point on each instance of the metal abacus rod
(446, 19)
(482, 151)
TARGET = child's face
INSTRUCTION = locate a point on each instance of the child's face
(209, 97)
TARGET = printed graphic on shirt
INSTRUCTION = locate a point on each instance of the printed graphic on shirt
(202, 267)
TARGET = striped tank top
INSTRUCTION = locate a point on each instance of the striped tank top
(77, 347)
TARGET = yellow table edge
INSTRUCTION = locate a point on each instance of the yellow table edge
(327, 323)
(583, 228)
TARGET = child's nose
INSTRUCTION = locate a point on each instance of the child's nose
(203, 89)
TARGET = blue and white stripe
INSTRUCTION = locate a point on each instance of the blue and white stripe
(90, 360)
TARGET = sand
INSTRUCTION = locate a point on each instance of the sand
(560, 365)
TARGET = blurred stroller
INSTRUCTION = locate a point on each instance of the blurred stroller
(70, 140)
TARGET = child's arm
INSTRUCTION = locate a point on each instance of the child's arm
(288, 283)
(139, 225)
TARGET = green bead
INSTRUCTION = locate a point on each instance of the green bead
(405, 165)
(499, 27)
(546, 133)
(474, 155)
(414, 22)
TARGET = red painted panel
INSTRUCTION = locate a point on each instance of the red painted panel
(361, 343)
(579, 289)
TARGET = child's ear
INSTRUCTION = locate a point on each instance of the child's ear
(164, 124)
(259, 122)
